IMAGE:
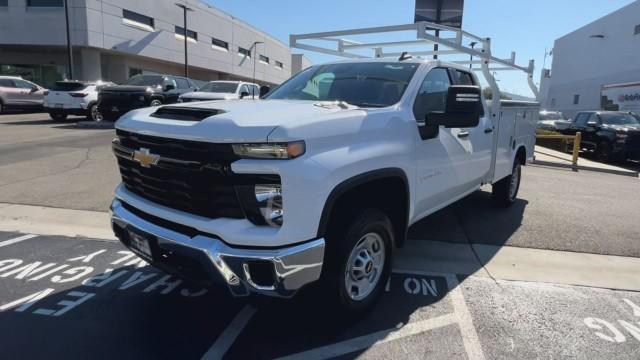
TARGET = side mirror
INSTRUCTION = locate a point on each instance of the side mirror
(169, 87)
(463, 108)
(593, 124)
(264, 90)
(34, 89)
(243, 94)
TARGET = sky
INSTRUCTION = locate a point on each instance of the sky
(526, 27)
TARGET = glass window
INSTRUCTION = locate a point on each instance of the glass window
(582, 118)
(169, 81)
(190, 33)
(138, 18)
(244, 88)
(219, 43)
(264, 59)
(7, 83)
(23, 84)
(4, 3)
(619, 119)
(255, 90)
(432, 96)
(220, 87)
(374, 84)
(69, 86)
(146, 80)
(279, 64)
(464, 78)
(635, 32)
(576, 99)
(182, 83)
(244, 52)
(45, 3)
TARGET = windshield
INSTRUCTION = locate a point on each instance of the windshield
(551, 116)
(375, 84)
(618, 119)
(220, 87)
(146, 80)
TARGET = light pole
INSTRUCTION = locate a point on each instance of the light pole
(255, 57)
(473, 44)
(69, 47)
(185, 8)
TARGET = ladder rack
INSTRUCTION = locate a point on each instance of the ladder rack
(454, 45)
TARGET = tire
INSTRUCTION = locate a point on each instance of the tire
(93, 114)
(603, 152)
(505, 191)
(58, 116)
(358, 262)
(155, 103)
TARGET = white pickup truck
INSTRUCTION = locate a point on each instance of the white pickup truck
(317, 182)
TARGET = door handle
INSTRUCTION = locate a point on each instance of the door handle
(464, 134)
(488, 130)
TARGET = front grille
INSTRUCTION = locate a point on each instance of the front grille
(190, 176)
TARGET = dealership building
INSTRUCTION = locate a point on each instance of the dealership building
(591, 59)
(116, 39)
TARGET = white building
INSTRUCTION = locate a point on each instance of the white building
(115, 39)
(605, 52)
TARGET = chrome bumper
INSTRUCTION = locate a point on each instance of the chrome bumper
(293, 267)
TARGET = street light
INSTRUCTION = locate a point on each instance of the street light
(185, 8)
(255, 57)
(473, 44)
(69, 48)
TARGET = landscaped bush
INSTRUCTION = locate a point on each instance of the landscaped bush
(554, 144)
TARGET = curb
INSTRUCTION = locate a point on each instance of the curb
(623, 172)
(95, 124)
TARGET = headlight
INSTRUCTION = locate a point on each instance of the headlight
(279, 151)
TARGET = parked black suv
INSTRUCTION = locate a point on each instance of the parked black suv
(612, 135)
(142, 91)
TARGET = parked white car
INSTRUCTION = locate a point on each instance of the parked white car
(73, 98)
(552, 120)
(222, 90)
(318, 181)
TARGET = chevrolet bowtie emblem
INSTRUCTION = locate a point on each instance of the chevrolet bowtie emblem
(145, 158)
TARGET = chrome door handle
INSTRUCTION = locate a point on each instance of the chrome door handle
(488, 130)
(463, 134)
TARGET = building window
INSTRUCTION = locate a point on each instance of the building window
(264, 59)
(637, 30)
(45, 3)
(191, 35)
(279, 65)
(219, 44)
(244, 52)
(137, 20)
(576, 99)
(4, 3)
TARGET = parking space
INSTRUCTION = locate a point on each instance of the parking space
(86, 298)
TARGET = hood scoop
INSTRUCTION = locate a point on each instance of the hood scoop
(185, 113)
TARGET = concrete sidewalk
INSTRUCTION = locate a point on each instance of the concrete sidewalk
(548, 157)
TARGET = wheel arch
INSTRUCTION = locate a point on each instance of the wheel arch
(361, 187)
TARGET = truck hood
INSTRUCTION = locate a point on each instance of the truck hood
(209, 96)
(239, 120)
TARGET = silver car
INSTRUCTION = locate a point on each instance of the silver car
(222, 90)
(19, 94)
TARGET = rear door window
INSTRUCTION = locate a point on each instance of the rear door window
(7, 83)
(182, 83)
(23, 84)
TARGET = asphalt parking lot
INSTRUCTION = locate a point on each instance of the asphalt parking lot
(84, 298)
(77, 297)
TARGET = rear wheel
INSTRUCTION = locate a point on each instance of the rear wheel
(58, 116)
(358, 262)
(505, 191)
(155, 103)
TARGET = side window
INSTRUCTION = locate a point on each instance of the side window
(182, 83)
(432, 95)
(244, 88)
(255, 89)
(464, 78)
(594, 118)
(7, 83)
(23, 84)
(581, 119)
(170, 81)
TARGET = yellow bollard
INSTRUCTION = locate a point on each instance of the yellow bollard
(576, 148)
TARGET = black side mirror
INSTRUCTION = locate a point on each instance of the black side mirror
(169, 87)
(34, 89)
(264, 90)
(593, 124)
(243, 94)
(463, 108)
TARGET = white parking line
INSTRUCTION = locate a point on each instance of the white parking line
(469, 334)
(16, 240)
(224, 342)
(367, 341)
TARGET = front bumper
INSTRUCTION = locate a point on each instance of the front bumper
(207, 260)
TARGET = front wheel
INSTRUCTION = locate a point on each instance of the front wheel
(358, 262)
(505, 191)
(155, 103)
